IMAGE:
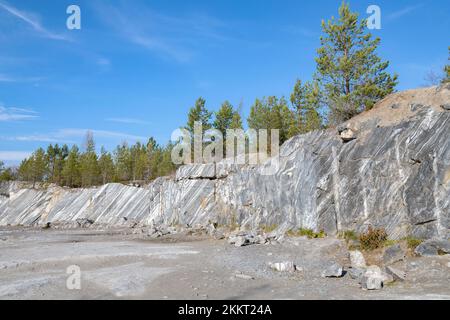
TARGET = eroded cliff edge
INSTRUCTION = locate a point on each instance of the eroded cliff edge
(389, 167)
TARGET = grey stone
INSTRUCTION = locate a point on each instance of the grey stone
(397, 274)
(446, 106)
(357, 260)
(416, 106)
(433, 248)
(371, 283)
(333, 271)
(288, 266)
(348, 135)
(393, 254)
(356, 273)
(318, 183)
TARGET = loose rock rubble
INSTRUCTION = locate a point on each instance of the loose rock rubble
(333, 271)
(393, 254)
(433, 248)
(283, 266)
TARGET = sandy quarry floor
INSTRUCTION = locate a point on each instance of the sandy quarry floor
(33, 265)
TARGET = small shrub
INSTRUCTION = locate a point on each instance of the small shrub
(269, 228)
(307, 233)
(348, 235)
(413, 243)
(373, 239)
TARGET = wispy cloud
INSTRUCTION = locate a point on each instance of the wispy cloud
(404, 11)
(128, 121)
(16, 114)
(300, 31)
(9, 78)
(75, 135)
(174, 37)
(14, 156)
(33, 21)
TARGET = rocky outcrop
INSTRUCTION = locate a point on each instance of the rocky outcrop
(389, 167)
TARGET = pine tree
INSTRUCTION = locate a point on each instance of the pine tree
(6, 174)
(447, 70)
(351, 74)
(71, 175)
(88, 163)
(306, 101)
(224, 118)
(106, 166)
(271, 113)
(199, 113)
(38, 166)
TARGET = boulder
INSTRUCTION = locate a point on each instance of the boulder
(333, 271)
(348, 135)
(356, 273)
(357, 260)
(288, 266)
(371, 283)
(446, 106)
(374, 278)
(397, 274)
(433, 248)
(393, 254)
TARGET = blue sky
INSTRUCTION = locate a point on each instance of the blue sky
(136, 67)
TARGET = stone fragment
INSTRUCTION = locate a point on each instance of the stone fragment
(357, 260)
(446, 106)
(371, 283)
(356, 273)
(397, 274)
(288, 266)
(433, 248)
(348, 135)
(393, 254)
(333, 271)
(243, 276)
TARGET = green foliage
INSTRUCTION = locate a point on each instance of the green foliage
(71, 175)
(199, 113)
(352, 76)
(373, 239)
(348, 235)
(447, 70)
(6, 174)
(412, 242)
(106, 167)
(306, 101)
(271, 113)
(302, 232)
(269, 228)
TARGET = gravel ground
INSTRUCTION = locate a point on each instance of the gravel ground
(34, 264)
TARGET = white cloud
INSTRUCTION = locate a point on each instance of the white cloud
(17, 114)
(13, 156)
(8, 78)
(32, 20)
(404, 11)
(128, 121)
(75, 135)
(174, 37)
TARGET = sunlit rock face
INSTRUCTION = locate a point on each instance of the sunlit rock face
(394, 173)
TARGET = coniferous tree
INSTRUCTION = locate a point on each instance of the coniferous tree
(352, 76)
(71, 175)
(89, 163)
(106, 166)
(447, 70)
(199, 113)
(306, 102)
(271, 113)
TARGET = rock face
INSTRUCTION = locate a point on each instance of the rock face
(395, 175)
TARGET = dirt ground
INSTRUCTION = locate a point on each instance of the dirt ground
(34, 264)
